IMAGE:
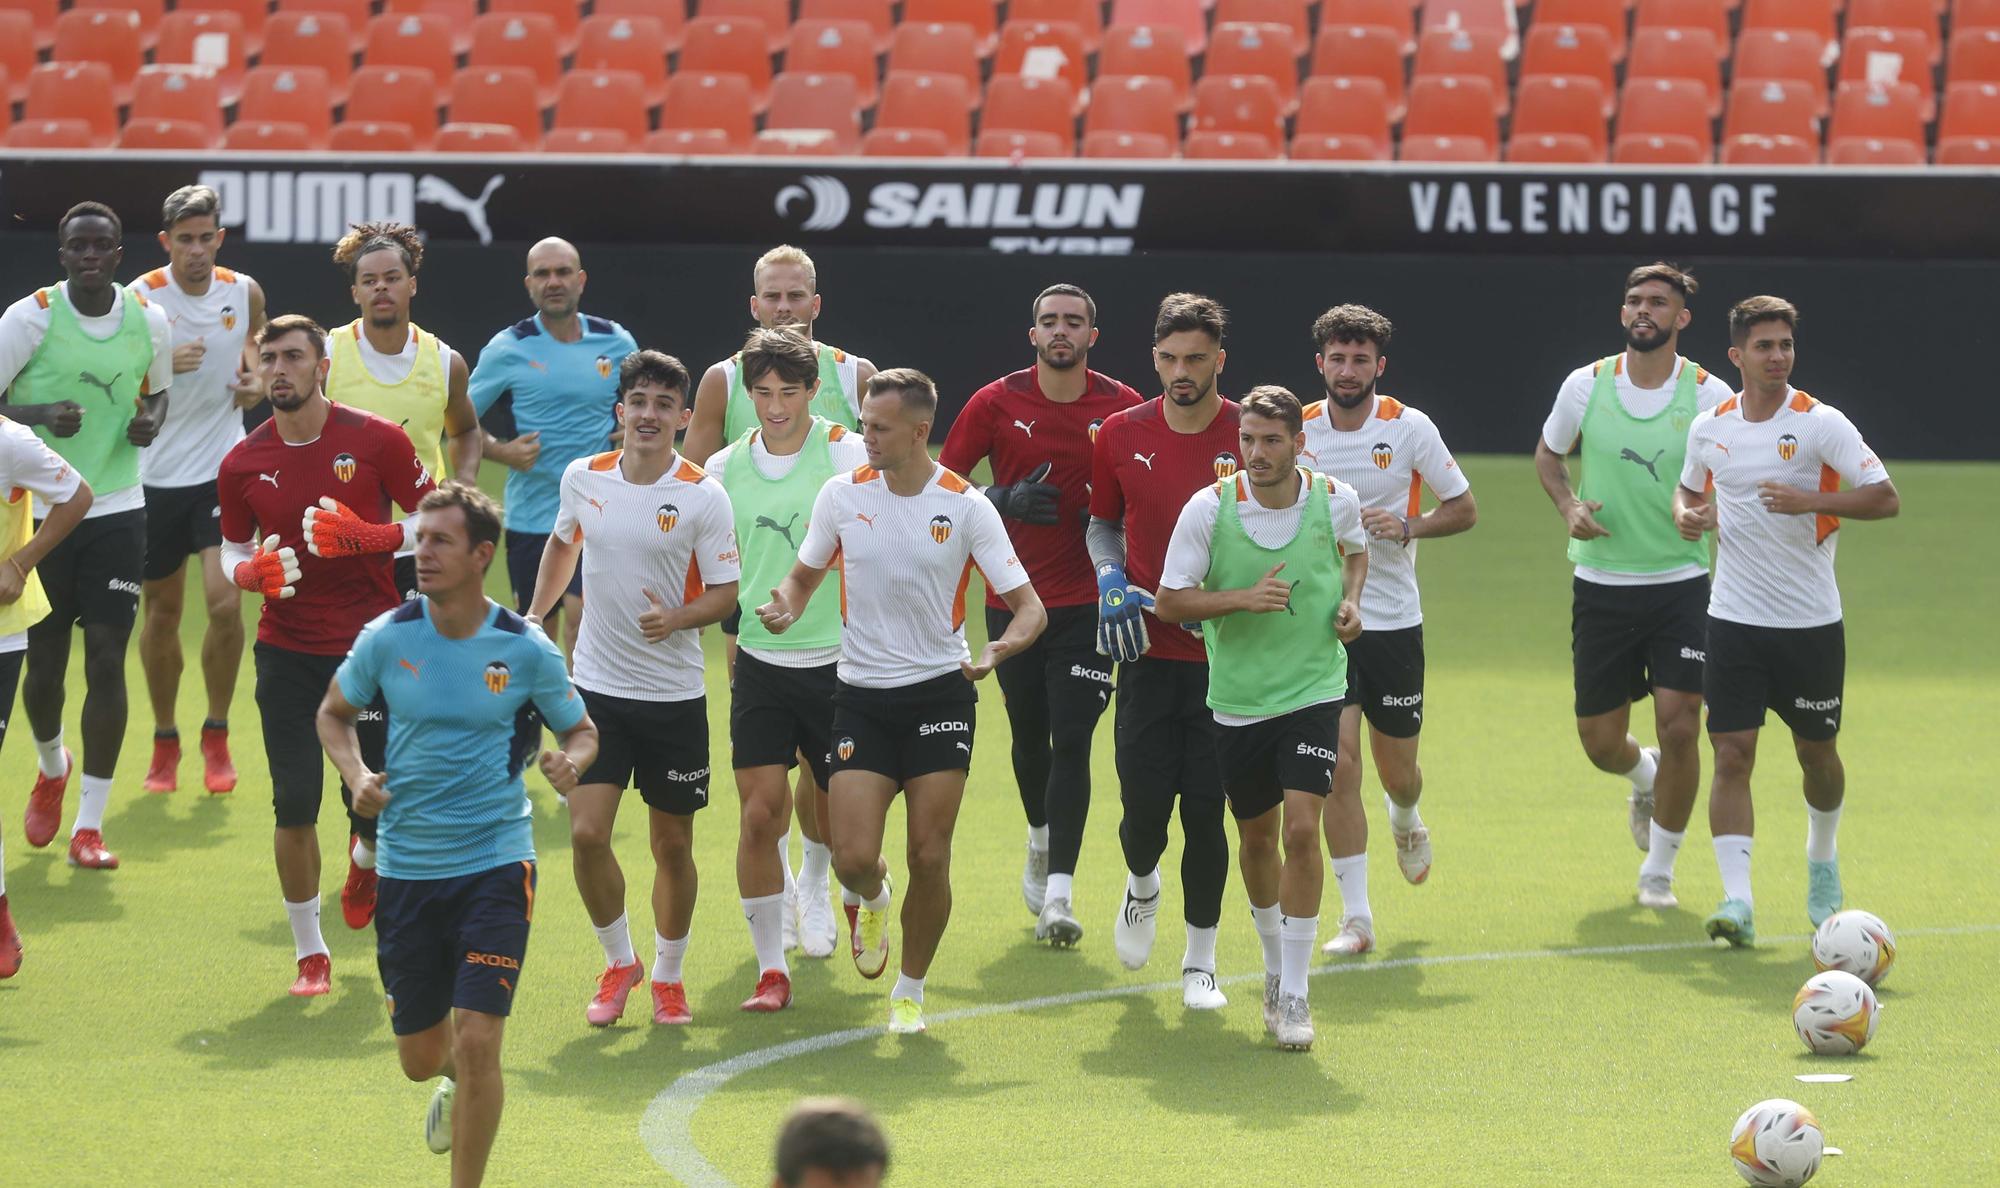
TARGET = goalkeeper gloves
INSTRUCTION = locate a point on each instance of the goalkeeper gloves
(1121, 623)
(1031, 501)
(333, 530)
(270, 571)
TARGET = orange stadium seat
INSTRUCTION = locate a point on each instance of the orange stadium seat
(108, 36)
(480, 138)
(1188, 18)
(250, 14)
(1576, 50)
(1712, 15)
(1147, 146)
(354, 12)
(149, 13)
(1561, 104)
(606, 99)
(1975, 14)
(936, 49)
(524, 39)
(1344, 107)
(1447, 148)
(418, 40)
(982, 15)
(703, 100)
(1138, 104)
(288, 95)
(267, 136)
(313, 39)
(1229, 146)
(1015, 103)
(1553, 148)
(1397, 16)
(1803, 16)
(73, 91)
(1290, 13)
(1452, 106)
(625, 43)
(905, 142)
(828, 104)
(1332, 146)
(1970, 109)
(1363, 53)
(785, 144)
(1084, 14)
(175, 93)
(405, 95)
(498, 95)
(586, 140)
(1260, 51)
(1465, 52)
(1782, 54)
(1659, 150)
(1752, 149)
(1974, 56)
(54, 134)
(17, 55)
(876, 14)
(1608, 15)
(1678, 53)
(1889, 55)
(1978, 151)
(672, 15)
(1013, 144)
(144, 132)
(1238, 103)
(1775, 107)
(565, 15)
(941, 102)
(689, 142)
(1920, 15)
(1043, 50)
(1870, 153)
(213, 41)
(1156, 50)
(836, 47)
(1495, 16)
(1655, 107)
(372, 136)
(43, 14)
(717, 46)
(776, 16)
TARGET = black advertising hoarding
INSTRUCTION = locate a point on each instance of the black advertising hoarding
(1054, 209)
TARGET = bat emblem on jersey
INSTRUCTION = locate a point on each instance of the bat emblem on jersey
(101, 385)
(497, 675)
(1225, 465)
(785, 531)
(1027, 427)
(1383, 454)
(229, 317)
(668, 515)
(271, 478)
(1146, 458)
(604, 367)
(1091, 429)
(343, 467)
(940, 528)
(1788, 447)
(1628, 454)
(866, 519)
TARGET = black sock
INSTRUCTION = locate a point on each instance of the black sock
(215, 724)
(170, 732)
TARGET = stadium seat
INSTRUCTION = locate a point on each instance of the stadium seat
(1920, 15)
(722, 101)
(565, 15)
(73, 91)
(1553, 148)
(1868, 152)
(1574, 50)
(1146, 146)
(603, 99)
(905, 142)
(1488, 16)
(107, 36)
(1371, 52)
(1751, 149)
(1260, 51)
(372, 136)
(1451, 106)
(1084, 14)
(982, 15)
(1228, 146)
(354, 12)
(1465, 52)
(54, 134)
(523, 39)
(1397, 16)
(672, 15)
(688, 142)
(1979, 151)
(1678, 53)
(936, 49)
(149, 13)
(1238, 103)
(836, 47)
(1447, 148)
(457, 16)
(1775, 107)
(250, 16)
(820, 107)
(586, 140)
(288, 95)
(1290, 13)
(1331, 146)
(1608, 15)
(1188, 18)
(1138, 104)
(418, 40)
(498, 95)
(1659, 150)
(1656, 107)
(1015, 144)
(1890, 111)
(480, 138)
(625, 43)
(212, 41)
(1561, 105)
(179, 93)
(715, 46)
(267, 136)
(775, 15)
(1016, 103)
(17, 57)
(941, 102)
(1344, 107)
(1889, 55)
(788, 144)
(1800, 16)
(1974, 56)
(143, 132)
(1970, 109)
(1709, 15)
(876, 14)
(405, 95)
(1043, 50)
(311, 39)
(1157, 50)
(1782, 54)
(43, 15)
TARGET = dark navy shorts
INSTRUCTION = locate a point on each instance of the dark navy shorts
(458, 942)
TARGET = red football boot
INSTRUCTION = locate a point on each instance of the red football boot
(774, 993)
(614, 985)
(315, 976)
(45, 804)
(670, 1003)
(163, 773)
(218, 773)
(357, 895)
(10, 943)
(86, 849)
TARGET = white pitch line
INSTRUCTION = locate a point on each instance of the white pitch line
(667, 1127)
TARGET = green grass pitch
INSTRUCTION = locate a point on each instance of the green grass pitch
(1522, 1022)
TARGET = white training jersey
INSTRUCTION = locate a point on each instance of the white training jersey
(203, 422)
(905, 562)
(674, 537)
(1388, 461)
(1775, 570)
(847, 453)
(28, 464)
(1565, 424)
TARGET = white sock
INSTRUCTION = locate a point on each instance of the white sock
(1821, 830)
(1297, 934)
(667, 956)
(785, 863)
(616, 937)
(363, 855)
(1061, 886)
(1661, 852)
(1038, 837)
(766, 914)
(91, 805)
(1200, 949)
(1402, 820)
(849, 898)
(49, 756)
(880, 903)
(1351, 874)
(818, 862)
(1268, 920)
(1732, 858)
(908, 987)
(306, 939)
(1144, 886)
(1643, 772)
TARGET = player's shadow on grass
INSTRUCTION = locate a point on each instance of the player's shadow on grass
(1209, 1065)
(287, 1030)
(89, 897)
(150, 829)
(1360, 990)
(1029, 968)
(901, 1072)
(1755, 975)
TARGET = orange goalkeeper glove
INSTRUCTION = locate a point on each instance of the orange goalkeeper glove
(333, 530)
(270, 571)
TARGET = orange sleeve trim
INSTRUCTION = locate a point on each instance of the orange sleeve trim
(1700, 375)
(1388, 408)
(42, 298)
(1416, 494)
(606, 461)
(156, 279)
(840, 563)
(227, 277)
(1236, 482)
(1728, 406)
(692, 590)
(958, 599)
(835, 432)
(950, 481)
(1829, 482)
(1803, 403)
(688, 472)
(866, 474)
(1314, 411)
(839, 356)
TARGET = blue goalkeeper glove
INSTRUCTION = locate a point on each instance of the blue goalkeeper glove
(1121, 625)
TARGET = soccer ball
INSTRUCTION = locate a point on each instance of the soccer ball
(1834, 1013)
(1857, 942)
(1776, 1144)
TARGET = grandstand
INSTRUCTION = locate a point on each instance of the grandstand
(1657, 82)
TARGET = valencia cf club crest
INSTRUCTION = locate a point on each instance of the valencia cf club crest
(940, 528)
(229, 317)
(844, 749)
(1788, 447)
(343, 467)
(1093, 428)
(1225, 465)
(668, 515)
(604, 367)
(1383, 455)
(497, 675)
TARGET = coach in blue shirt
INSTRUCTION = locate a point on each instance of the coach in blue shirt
(456, 850)
(561, 369)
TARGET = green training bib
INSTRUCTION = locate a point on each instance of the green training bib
(1632, 465)
(104, 376)
(771, 520)
(831, 402)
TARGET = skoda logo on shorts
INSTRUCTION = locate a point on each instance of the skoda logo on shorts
(668, 515)
(497, 675)
(604, 367)
(343, 467)
(1383, 455)
(1093, 428)
(940, 528)
(844, 749)
(1225, 465)
(1788, 447)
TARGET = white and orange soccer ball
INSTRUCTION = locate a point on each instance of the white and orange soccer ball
(1857, 942)
(1776, 1144)
(1835, 1013)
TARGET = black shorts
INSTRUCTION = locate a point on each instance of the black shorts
(180, 522)
(1165, 730)
(1798, 671)
(732, 624)
(660, 747)
(524, 562)
(458, 942)
(1292, 752)
(290, 686)
(908, 732)
(1627, 640)
(776, 714)
(92, 576)
(1385, 678)
(1059, 679)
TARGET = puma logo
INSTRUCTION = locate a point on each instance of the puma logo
(786, 531)
(1628, 454)
(1718, 445)
(596, 503)
(434, 189)
(411, 667)
(1146, 458)
(101, 385)
(271, 478)
(1027, 427)
(1289, 591)
(868, 520)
